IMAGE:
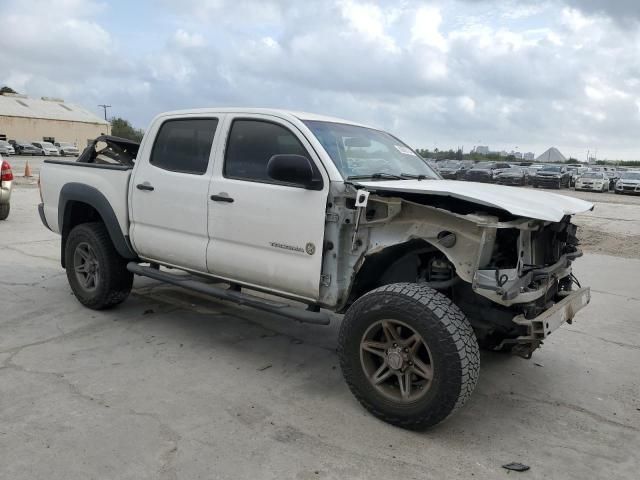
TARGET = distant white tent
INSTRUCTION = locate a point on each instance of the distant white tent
(552, 155)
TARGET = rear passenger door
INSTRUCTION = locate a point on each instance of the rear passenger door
(265, 233)
(168, 198)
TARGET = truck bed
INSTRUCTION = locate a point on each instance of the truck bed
(112, 181)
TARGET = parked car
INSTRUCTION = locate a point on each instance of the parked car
(551, 176)
(66, 148)
(46, 148)
(613, 177)
(453, 169)
(575, 173)
(485, 171)
(373, 233)
(629, 182)
(25, 148)
(6, 183)
(6, 148)
(513, 176)
(597, 181)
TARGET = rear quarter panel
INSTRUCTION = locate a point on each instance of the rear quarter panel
(113, 184)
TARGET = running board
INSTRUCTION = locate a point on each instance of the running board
(188, 282)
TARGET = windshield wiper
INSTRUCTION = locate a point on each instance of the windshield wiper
(377, 175)
(416, 177)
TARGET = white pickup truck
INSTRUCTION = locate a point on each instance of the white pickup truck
(338, 216)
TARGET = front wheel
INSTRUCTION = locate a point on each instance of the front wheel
(408, 354)
(97, 274)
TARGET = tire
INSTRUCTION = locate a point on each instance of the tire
(4, 211)
(446, 338)
(112, 281)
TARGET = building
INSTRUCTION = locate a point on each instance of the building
(48, 119)
(552, 155)
(529, 156)
(482, 150)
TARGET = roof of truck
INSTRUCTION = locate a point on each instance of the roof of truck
(268, 111)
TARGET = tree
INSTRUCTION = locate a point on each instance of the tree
(6, 89)
(459, 155)
(122, 128)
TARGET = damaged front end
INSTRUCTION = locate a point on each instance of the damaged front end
(529, 273)
(510, 275)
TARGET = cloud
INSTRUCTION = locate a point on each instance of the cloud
(445, 73)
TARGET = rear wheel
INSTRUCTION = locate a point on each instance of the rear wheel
(97, 274)
(4, 211)
(408, 355)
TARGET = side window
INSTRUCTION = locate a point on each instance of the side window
(252, 143)
(184, 145)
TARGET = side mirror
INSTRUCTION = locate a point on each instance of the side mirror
(294, 169)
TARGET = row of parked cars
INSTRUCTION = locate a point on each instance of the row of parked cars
(21, 147)
(598, 178)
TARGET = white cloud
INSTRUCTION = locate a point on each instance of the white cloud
(426, 28)
(188, 40)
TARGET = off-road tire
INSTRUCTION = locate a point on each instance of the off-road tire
(4, 211)
(448, 335)
(115, 281)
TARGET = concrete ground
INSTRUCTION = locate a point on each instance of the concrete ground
(173, 385)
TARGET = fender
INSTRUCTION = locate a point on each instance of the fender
(80, 192)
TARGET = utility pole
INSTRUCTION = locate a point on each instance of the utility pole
(104, 107)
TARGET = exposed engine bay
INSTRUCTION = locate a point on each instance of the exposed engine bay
(502, 270)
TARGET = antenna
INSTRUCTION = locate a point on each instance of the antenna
(104, 107)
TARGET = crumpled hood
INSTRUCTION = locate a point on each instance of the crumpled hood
(522, 202)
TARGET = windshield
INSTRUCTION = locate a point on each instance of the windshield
(484, 166)
(592, 175)
(550, 168)
(47, 144)
(361, 152)
(64, 144)
(449, 164)
(4, 143)
(631, 175)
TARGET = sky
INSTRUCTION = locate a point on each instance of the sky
(514, 75)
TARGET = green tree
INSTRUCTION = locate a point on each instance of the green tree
(6, 89)
(122, 128)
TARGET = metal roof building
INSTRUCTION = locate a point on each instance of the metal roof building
(48, 119)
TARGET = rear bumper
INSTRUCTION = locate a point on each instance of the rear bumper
(540, 327)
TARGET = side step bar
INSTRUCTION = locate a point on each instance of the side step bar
(189, 282)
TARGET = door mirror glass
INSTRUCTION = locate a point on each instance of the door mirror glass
(294, 169)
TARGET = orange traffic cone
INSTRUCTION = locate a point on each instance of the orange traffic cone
(27, 169)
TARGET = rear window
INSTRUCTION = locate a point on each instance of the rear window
(184, 145)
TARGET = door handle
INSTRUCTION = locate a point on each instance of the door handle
(221, 198)
(145, 186)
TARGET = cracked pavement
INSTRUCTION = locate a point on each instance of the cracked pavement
(173, 385)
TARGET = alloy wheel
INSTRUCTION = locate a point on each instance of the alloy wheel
(86, 266)
(396, 361)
